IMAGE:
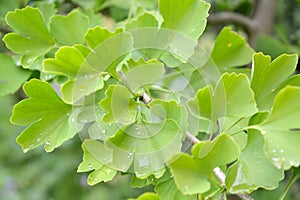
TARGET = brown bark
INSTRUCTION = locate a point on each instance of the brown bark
(261, 22)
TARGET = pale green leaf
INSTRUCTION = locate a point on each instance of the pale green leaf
(50, 121)
(192, 173)
(97, 35)
(140, 73)
(201, 105)
(168, 190)
(147, 196)
(281, 129)
(268, 76)
(145, 146)
(234, 86)
(110, 49)
(226, 100)
(119, 105)
(231, 50)
(254, 169)
(142, 21)
(32, 36)
(70, 29)
(102, 174)
(11, 76)
(68, 61)
(187, 17)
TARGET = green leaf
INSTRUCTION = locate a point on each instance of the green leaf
(231, 50)
(201, 105)
(254, 169)
(119, 105)
(187, 17)
(68, 61)
(71, 62)
(11, 76)
(193, 174)
(226, 100)
(70, 29)
(97, 35)
(281, 129)
(47, 9)
(147, 196)
(89, 161)
(167, 190)
(146, 146)
(170, 110)
(140, 73)
(50, 121)
(235, 86)
(142, 21)
(32, 36)
(103, 174)
(267, 76)
(110, 49)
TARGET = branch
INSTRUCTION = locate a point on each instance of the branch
(232, 17)
(217, 170)
(194, 140)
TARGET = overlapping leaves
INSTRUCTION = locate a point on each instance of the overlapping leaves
(194, 174)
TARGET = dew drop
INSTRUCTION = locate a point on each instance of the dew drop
(274, 151)
(38, 139)
(103, 131)
(47, 143)
(25, 150)
(129, 155)
(72, 119)
(186, 188)
(281, 151)
(90, 166)
(109, 124)
(263, 132)
(86, 76)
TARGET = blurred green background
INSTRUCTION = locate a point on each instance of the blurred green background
(37, 175)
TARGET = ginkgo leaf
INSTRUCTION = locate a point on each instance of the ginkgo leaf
(65, 29)
(69, 61)
(32, 36)
(109, 49)
(97, 35)
(193, 174)
(140, 73)
(145, 146)
(267, 76)
(147, 196)
(119, 105)
(168, 190)
(230, 50)
(224, 100)
(11, 76)
(102, 174)
(254, 169)
(143, 21)
(281, 129)
(50, 121)
(188, 17)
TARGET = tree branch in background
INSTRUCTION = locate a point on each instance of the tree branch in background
(261, 22)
